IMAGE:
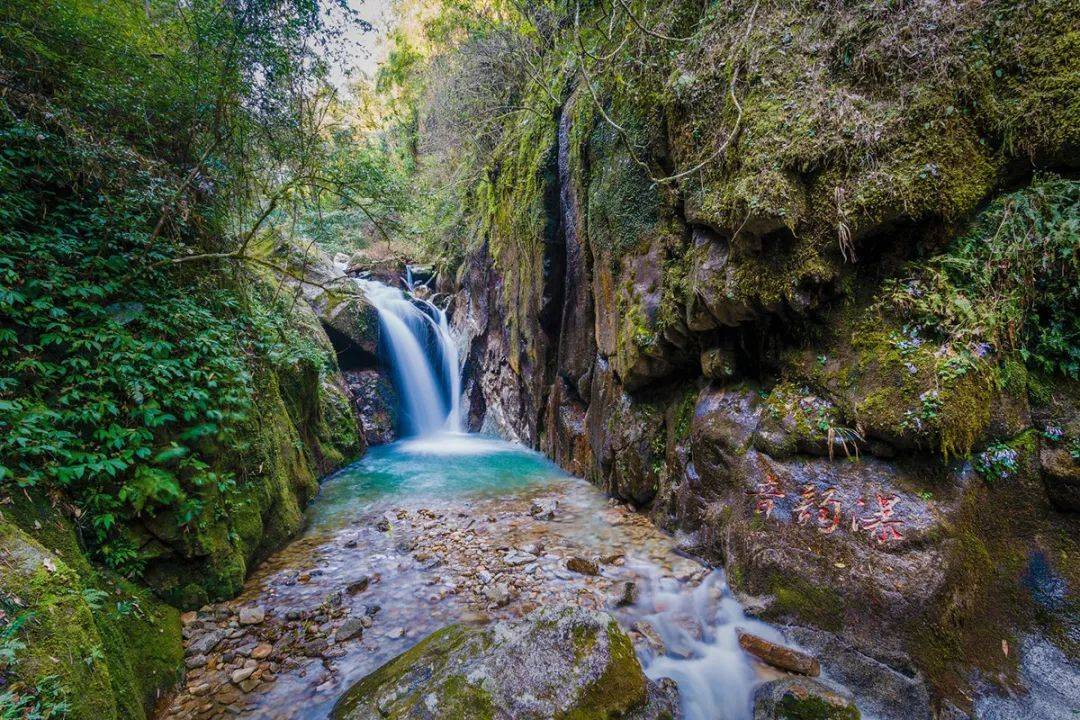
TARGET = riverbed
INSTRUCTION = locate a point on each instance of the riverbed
(457, 528)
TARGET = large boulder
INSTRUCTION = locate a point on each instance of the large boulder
(801, 699)
(558, 663)
(108, 648)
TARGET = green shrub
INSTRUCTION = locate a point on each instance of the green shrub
(1009, 283)
(125, 143)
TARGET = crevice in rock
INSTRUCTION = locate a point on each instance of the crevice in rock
(350, 356)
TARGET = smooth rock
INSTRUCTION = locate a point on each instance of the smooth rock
(242, 674)
(353, 627)
(779, 656)
(555, 663)
(262, 651)
(252, 615)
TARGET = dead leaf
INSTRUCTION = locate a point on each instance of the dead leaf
(840, 565)
(49, 564)
(1005, 647)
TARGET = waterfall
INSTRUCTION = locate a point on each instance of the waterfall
(415, 335)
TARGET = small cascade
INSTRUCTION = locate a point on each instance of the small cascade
(423, 357)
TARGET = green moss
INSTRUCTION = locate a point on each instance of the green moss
(621, 688)
(431, 651)
(458, 698)
(797, 598)
(113, 647)
(813, 708)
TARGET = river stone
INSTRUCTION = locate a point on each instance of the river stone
(566, 662)
(583, 566)
(203, 645)
(351, 628)
(779, 656)
(239, 676)
(252, 615)
(791, 698)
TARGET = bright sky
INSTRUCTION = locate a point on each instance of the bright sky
(365, 49)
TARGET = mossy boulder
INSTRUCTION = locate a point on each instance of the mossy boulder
(111, 647)
(801, 699)
(566, 663)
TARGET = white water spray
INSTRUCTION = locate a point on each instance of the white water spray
(716, 678)
(423, 357)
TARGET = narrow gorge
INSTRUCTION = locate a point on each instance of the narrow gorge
(539, 360)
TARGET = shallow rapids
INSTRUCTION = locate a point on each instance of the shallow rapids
(450, 528)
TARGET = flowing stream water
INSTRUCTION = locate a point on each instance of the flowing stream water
(445, 527)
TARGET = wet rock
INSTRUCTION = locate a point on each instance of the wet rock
(205, 644)
(1061, 475)
(242, 674)
(583, 566)
(351, 628)
(544, 509)
(629, 594)
(801, 698)
(498, 593)
(375, 402)
(262, 651)
(516, 557)
(189, 617)
(358, 586)
(195, 661)
(252, 615)
(650, 636)
(718, 363)
(887, 686)
(555, 663)
(779, 656)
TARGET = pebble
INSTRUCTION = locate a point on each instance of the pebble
(195, 661)
(252, 615)
(242, 674)
(262, 651)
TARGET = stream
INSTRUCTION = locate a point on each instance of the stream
(447, 527)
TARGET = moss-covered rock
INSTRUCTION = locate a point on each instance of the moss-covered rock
(111, 647)
(801, 699)
(568, 664)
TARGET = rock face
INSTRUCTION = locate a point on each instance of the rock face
(721, 351)
(375, 402)
(555, 663)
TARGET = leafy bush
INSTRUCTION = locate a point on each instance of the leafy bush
(1011, 283)
(124, 145)
(997, 462)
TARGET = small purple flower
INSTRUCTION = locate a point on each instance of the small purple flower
(982, 349)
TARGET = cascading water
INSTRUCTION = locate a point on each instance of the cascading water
(423, 358)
